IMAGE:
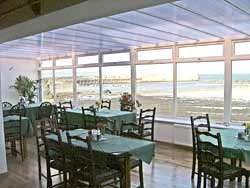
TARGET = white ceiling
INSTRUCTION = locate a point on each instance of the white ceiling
(186, 20)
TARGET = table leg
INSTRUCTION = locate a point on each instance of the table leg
(25, 147)
(126, 179)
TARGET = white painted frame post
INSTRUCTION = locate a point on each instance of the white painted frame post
(227, 81)
(133, 60)
(54, 79)
(100, 63)
(3, 161)
(174, 57)
(74, 78)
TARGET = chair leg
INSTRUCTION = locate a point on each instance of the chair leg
(21, 149)
(205, 181)
(199, 179)
(247, 181)
(193, 166)
(240, 165)
(220, 183)
(212, 182)
(141, 174)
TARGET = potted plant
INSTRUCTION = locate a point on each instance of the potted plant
(25, 87)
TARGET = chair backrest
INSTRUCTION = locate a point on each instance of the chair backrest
(147, 118)
(45, 110)
(62, 118)
(209, 150)
(82, 154)
(6, 104)
(66, 104)
(127, 107)
(89, 118)
(18, 109)
(14, 130)
(131, 130)
(110, 125)
(48, 124)
(199, 122)
(106, 104)
(53, 147)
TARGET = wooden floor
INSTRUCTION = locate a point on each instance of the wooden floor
(171, 168)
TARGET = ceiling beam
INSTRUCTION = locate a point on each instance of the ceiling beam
(210, 19)
(180, 24)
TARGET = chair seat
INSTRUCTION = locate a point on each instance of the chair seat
(102, 175)
(229, 171)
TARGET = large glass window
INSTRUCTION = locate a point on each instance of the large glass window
(155, 54)
(116, 57)
(154, 84)
(116, 80)
(87, 86)
(242, 48)
(45, 64)
(64, 62)
(64, 84)
(88, 60)
(241, 90)
(201, 51)
(200, 89)
(47, 85)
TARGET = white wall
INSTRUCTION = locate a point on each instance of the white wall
(11, 68)
(3, 163)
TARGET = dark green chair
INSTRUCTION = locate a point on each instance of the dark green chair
(55, 157)
(66, 104)
(90, 168)
(13, 133)
(210, 160)
(45, 110)
(18, 109)
(198, 122)
(106, 104)
(89, 118)
(147, 122)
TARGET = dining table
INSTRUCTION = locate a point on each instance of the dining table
(75, 116)
(233, 147)
(32, 111)
(116, 146)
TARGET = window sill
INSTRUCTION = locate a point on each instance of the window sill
(186, 122)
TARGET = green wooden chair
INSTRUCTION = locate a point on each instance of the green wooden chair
(106, 104)
(210, 160)
(147, 122)
(66, 104)
(13, 134)
(90, 168)
(55, 158)
(198, 122)
(89, 118)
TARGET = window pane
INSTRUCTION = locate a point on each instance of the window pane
(47, 85)
(200, 89)
(87, 86)
(241, 90)
(201, 51)
(155, 54)
(64, 85)
(87, 60)
(154, 85)
(118, 57)
(46, 63)
(64, 62)
(242, 48)
(116, 79)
